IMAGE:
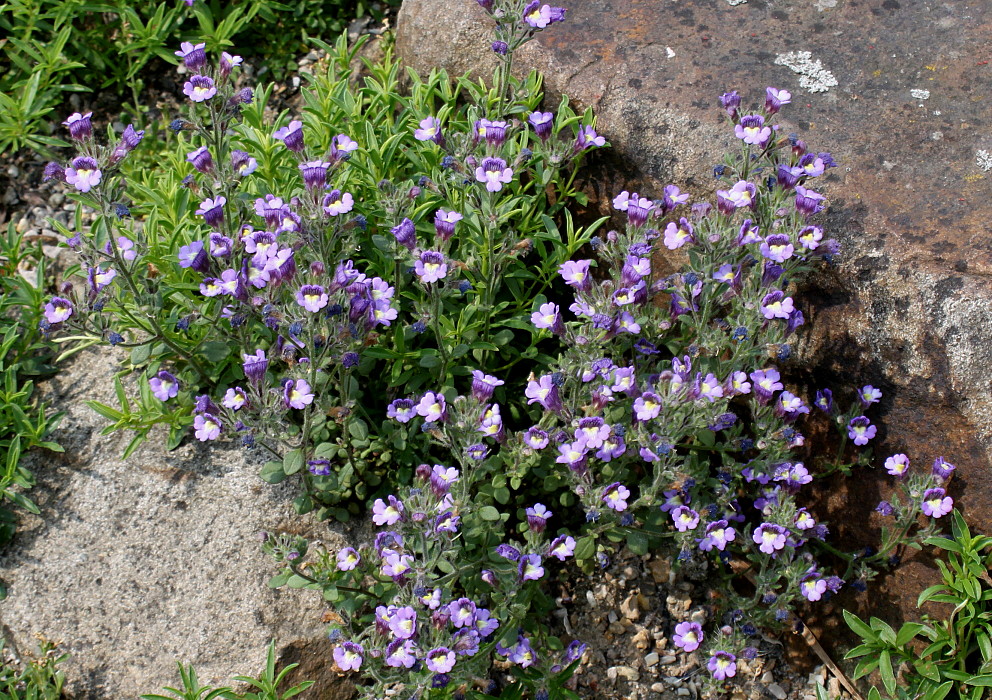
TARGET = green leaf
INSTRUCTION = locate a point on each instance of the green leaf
(885, 668)
(272, 472)
(941, 692)
(858, 626)
(489, 513)
(358, 429)
(984, 681)
(637, 542)
(907, 633)
(292, 462)
(279, 580)
(585, 548)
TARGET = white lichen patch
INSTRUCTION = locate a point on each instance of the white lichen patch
(669, 52)
(813, 77)
(735, 3)
(822, 5)
(984, 160)
(918, 94)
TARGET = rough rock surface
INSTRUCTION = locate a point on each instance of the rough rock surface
(136, 564)
(909, 307)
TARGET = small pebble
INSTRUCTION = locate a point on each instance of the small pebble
(625, 672)
(651, 659)
(777, 690)
(665, 660)
(673, 681)
(657, 687)
(683, 692)
(767, 678)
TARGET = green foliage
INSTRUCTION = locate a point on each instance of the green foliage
(51, 48)
(956, 656)
(263, 687)
(39, 679)
(23, 423)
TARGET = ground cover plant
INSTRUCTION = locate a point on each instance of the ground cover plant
(52, 48)
(390, 298)
(24, 358)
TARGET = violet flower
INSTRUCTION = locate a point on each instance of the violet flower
(936, 503)
(291, 136)
(199, 88)
(430, 130)
(193, 55)
(58, 310)
(688, 636)
(164, 386)
(494, 173)
(79, 125)
(430, 267)
(860, 430)
(84, 174)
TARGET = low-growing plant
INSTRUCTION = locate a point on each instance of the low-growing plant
(375, 291)
(266, 686)
(944, 655)
(23, 358)
(37, 679)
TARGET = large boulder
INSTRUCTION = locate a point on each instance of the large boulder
(134, 564)
(899, 93)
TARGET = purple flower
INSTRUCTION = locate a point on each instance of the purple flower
(53, 171)
(647, 406)
(348, 656)
(494, 173)
(540, 16)
(212, 211)
(462, 612)
(80, 127)
(255, 366)
(775, 99)
(483, 385)
(809, 237)
(430, 130)
(722, 665)
(193, 55)
(220, 245)
(235, 398)
(314, 174)
(535, 438)
(688, 636)
(529, 567)
(897, 465)
(777, 247)
(544, 392)
(794, 475)
(638, 208)
(537, 517)
(730, 101)
(312, 297)
(770, 537)
(813, 587)
(402, 410)
(522, 653)
(206, 427)
(740, 195)
(297, 393)
(549, 317)
(942, 469)
(812, 165)
(394, 564)
(58, 310)
(752, 130)
(718, 534)
(562, 547)
(808, 202)
(291, 136)
(543, 122)
(430, 267)
(440, 660)
(790, 406)
(576, 274)
(685, 518)
(573, 455)
(615, 496)
(710, 388)
(672, 197)
(348, 559)
(860, 430)
(336, 203)
(442, 478)
(444, 223)
(387, 513)
(164, 386)
(400, 653)
(766, 382)
(405, 234)
(201, 159)
(824, 400)
(869, 395)
(588, 138)
(342, 146)
(199, 88)
(432, 407)
(228, 62)
(803, 520)
(936, 503)
(84, 174)
(677, 236)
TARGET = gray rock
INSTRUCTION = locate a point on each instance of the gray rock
(137, 563)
